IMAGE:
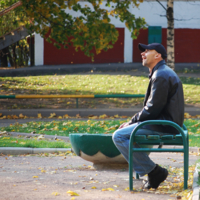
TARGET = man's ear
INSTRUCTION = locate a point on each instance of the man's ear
(158, 56)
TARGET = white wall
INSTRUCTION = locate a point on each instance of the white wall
(39, 50)
(186, 14)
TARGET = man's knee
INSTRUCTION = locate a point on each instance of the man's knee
(115, 136)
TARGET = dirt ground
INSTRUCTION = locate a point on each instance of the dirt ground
(45, 178)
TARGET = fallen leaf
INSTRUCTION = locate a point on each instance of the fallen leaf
(21, 115)
(55, 193)
(108, 189)
(40, 137)
(72, 193)
(22, 142)
(52, 115)
(39, 115)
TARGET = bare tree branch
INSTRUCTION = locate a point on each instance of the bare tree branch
(15, 5)
(161, 4)
(179, 19)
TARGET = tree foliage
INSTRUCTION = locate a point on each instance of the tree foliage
(13, 19)
(90, 26)
(16, 54)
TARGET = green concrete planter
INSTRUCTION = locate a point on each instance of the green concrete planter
(96, 148)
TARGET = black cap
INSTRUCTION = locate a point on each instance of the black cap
(156, 46)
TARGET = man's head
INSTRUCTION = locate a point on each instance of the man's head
(152, 54)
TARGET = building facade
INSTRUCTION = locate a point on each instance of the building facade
(187, 39)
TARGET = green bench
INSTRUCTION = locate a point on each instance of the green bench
(179, 139)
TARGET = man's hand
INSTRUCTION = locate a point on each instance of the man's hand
(124, 125)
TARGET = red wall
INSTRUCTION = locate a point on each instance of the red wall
(187, 43)
(54, 56)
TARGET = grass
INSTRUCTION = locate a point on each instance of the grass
(33, 143)
(86, 84)
(76, 84)
(64, 128)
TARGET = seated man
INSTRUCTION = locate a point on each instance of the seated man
(163, 101)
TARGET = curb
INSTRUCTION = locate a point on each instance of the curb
(195, 185)
(78, 68)
(66, 139)
(83, 112)
(24, 150)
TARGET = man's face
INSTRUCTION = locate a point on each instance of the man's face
(148, 57)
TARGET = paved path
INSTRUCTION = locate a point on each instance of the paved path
(39, 177)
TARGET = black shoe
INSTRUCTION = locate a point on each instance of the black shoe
(156, 177)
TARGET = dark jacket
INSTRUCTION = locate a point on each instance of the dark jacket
(164, 99)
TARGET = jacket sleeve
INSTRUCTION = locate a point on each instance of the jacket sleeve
(155, 102)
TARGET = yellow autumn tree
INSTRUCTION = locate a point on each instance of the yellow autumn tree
(89, 29)
(10, 20)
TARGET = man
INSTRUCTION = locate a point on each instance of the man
(163, 101)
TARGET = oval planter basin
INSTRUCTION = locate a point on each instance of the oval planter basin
(96, 148)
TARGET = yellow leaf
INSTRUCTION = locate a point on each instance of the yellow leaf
(66, 116)
(72, 198)
(22, 142)
(39, 115)
(35, 176)
(187, 115)
(108, 189)
(5, 138)
(40, 137)
(72, 193)
(52, 115)
(93, 187)
(103, 116)
(55, 193)
(21, 115)
(126, 189)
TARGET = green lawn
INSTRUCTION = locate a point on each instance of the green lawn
(88, 84)
(33, 143)
(64, 128)
(75, 84)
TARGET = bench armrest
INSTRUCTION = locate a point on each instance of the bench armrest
(160, 122)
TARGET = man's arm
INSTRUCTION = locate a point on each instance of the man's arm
(155, 102)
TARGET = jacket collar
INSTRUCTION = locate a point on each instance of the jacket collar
(162, 62)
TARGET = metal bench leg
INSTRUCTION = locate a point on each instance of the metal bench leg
(130, 172)
(186, 153)
(137, 176)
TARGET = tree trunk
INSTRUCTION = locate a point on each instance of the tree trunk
(3, 57)
(14, 55)
(170, 34)
(10, 57)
